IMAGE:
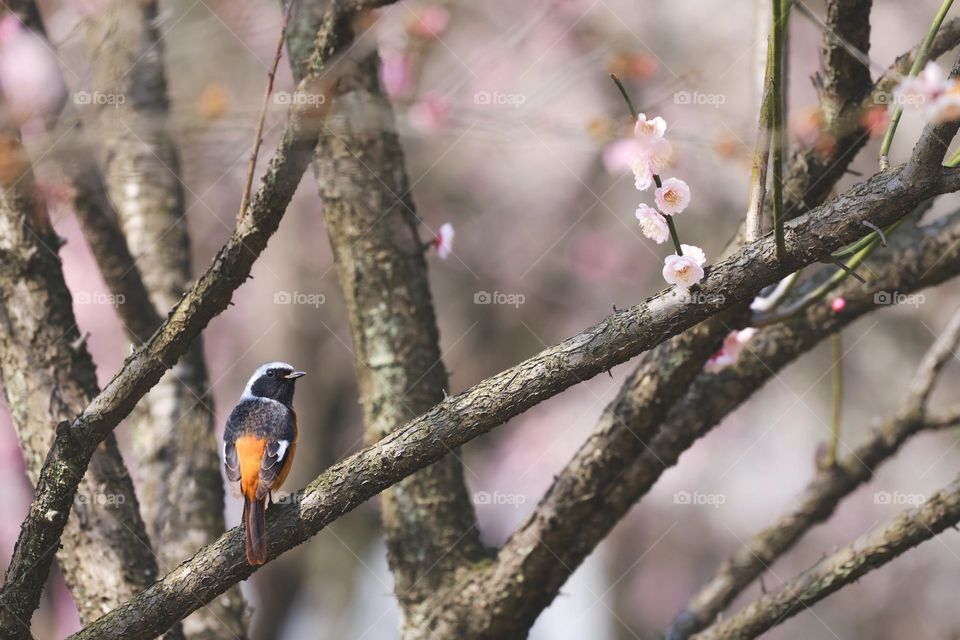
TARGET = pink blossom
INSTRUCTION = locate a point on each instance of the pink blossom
(430, 114)
(673, 197)
(30, 77)
(682, 271)
(443, 241)
(923, 88)
(838, 305)
(730, 350)
(648, 130)
(652, 224)
(946, 106)
(396, 75)
(430, 23)
(644, 157)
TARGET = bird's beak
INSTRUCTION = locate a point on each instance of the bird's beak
(295, 375)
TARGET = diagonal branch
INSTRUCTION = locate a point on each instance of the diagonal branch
(495, 400)
(845, 566)
(820, 498)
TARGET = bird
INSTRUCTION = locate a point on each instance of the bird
(259, 443)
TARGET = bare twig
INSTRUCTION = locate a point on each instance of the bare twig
(845, 566)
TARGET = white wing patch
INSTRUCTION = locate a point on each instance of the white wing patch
(282, 449)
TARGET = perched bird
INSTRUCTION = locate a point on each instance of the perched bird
(258, 447)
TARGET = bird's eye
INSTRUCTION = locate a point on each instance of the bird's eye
(270, 373)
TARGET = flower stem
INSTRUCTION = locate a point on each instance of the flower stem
(918, 63)
(781, 13)
(626, 96)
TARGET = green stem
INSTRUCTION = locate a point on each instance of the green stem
(781, 12)
(626, 96)
(915, 68)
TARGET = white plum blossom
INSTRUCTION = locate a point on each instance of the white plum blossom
(652, 224)
(683, 271)
(443, 241)
(651, 129)
(643, 155)
(694, 252)
(672, 197)
(730, 350)
(933, 91)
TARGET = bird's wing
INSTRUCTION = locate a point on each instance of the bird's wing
(276, 452)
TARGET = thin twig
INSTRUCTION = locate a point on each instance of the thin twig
(258, 139)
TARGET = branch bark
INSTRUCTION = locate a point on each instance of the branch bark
(495, 400)
(428, 518)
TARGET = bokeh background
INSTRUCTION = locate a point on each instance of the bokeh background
(504, 109)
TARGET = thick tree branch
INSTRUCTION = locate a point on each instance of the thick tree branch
(48, 376)
(495, 400)
(845, 566)
(429, 521)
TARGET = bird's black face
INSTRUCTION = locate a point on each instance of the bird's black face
(276, 383)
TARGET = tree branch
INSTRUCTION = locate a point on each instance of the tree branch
(847, 565)
(495, 400)
(48, 376)
(821, 497)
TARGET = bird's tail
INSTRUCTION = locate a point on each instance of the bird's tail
(255, 527)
